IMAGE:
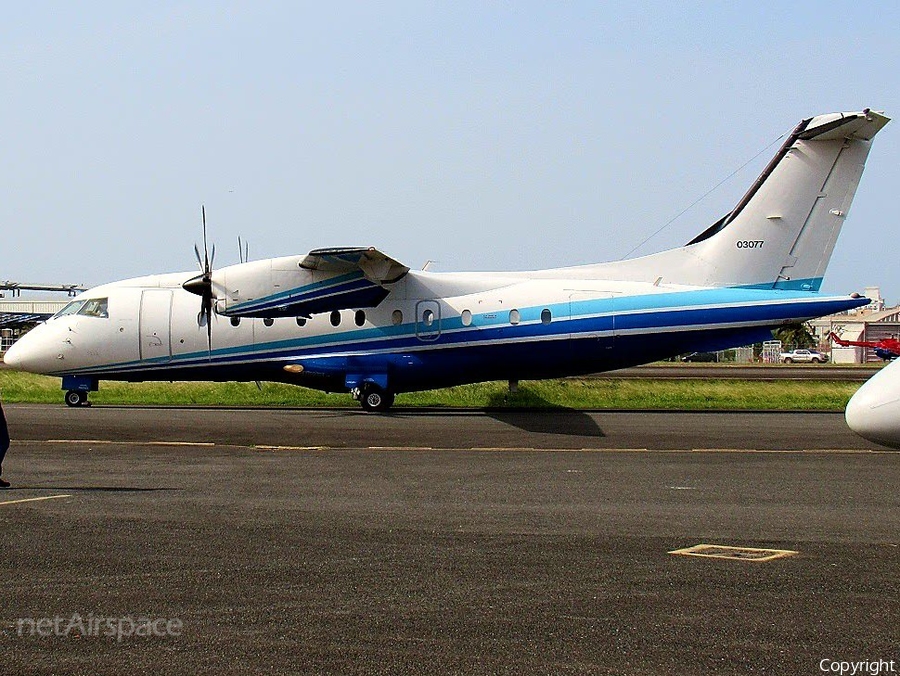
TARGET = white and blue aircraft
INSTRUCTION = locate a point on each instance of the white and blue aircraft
(356, 320)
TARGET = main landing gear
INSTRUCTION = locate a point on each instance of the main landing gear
(373, 398)
(77, 398)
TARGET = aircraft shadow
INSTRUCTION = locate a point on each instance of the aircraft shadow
(538, 415)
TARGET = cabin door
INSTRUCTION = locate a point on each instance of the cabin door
(155, 328)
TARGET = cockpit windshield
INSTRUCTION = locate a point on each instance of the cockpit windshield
(69, 309)
(91, 307)
(95, 307)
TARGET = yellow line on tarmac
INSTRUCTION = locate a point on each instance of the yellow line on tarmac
(108, 442)
(400, 448)
(46, 497)
(263, 447)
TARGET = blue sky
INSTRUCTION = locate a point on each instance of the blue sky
(486, 135)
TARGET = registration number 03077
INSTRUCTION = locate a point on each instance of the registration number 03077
(750, 243)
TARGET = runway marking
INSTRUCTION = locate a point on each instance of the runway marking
(108, 442)
(734, 553)
(400, 448)
(263, 447)
(45, 497)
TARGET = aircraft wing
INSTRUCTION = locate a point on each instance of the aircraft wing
(376, 266)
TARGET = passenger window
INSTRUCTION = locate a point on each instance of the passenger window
(301, 321)
(268, 321)
(514, 317)
(428, 317)
(466, 317)
(396, 318)
(235, 321)
(359, 318)
(336, 318)
(546, 316)
(95, 307)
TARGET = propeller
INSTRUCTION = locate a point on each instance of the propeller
(243, 250)
(201, 285)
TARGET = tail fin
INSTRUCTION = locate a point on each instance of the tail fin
(782, 232)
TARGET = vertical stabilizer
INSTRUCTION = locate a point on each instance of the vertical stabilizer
(782, 232)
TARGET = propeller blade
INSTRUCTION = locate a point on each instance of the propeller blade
(209, 329)
(205, 248)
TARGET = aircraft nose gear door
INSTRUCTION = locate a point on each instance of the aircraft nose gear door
(155, 328)
(428, 320)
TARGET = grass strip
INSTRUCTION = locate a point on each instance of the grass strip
(573, 393)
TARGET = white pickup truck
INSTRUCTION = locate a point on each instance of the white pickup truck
(803, 356)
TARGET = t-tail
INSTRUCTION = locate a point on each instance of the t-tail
(783, 230)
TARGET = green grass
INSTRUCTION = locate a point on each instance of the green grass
(694, 394)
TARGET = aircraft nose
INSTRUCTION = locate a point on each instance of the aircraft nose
(13, 356)
(874, 416)
(27, 354)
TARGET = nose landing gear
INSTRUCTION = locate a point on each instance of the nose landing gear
(77, 398)
(77, 388)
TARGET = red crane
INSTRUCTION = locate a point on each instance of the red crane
(886, 348)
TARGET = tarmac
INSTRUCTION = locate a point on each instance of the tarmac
(295, 541)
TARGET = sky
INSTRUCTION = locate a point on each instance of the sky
(478, 135)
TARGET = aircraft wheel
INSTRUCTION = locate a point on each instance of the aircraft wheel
(76, 398)
(375, 399)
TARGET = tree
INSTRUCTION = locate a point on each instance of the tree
(795, 335)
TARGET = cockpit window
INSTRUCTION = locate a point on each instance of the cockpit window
(95, 307)
(70, 309)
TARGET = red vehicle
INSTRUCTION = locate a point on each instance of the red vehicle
(886, 348)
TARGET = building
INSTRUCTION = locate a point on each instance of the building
(872, 322)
